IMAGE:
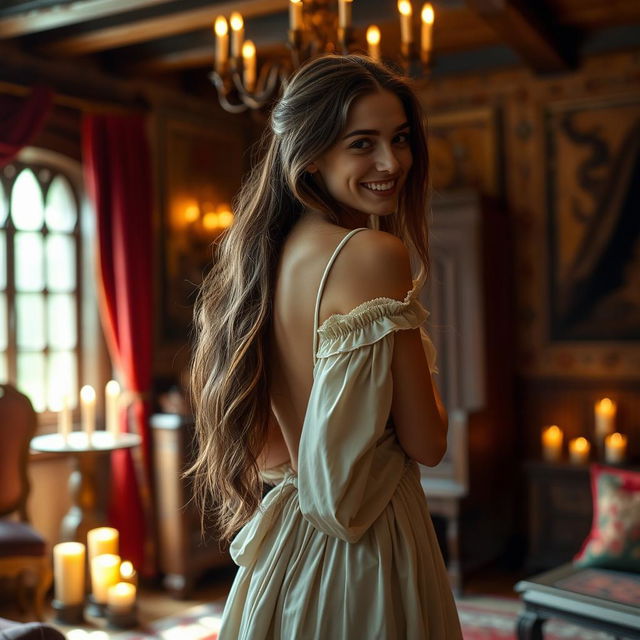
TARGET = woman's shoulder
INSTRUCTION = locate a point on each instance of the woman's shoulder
(374, 264)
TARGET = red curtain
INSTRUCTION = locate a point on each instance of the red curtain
(118, 176)
(21, 120)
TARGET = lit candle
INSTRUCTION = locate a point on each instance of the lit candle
(105, 572)
(427, 28)
(552, 443)
(579, 449)
(344, 14)
(373, 40)
(65, 425)
(605, 416)
(102, 540)
(222, 43)
(295, 15)
(406, 13)
(237, 34)
(68, 572)
(249, 64)
(112, 400)
(128, 573)
(121, 597)
(615, 448)
(88, 410)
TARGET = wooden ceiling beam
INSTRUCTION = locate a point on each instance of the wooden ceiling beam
(143, 30)
(24, 24)
(529, 32)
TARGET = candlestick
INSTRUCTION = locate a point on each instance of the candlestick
(68, 572)
(237, 34)
(249, 64)
(579, 449)
(295, 15)
(65, 425)
(615, 448)
(344, 14)
(552, 443)
(128, 573)
(105, 572)
(102, 540)
(427, 29)
(373, 40)
(222, 43)
(605, 415)
(112, 401)
(88, 410)
(406, 13)
(121, 605)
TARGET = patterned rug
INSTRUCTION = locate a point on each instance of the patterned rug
(482, 618)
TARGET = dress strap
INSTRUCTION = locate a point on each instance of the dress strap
(325, 275)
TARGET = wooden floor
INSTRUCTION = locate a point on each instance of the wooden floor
(155, 603)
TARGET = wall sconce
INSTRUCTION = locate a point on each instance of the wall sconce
(208, 218)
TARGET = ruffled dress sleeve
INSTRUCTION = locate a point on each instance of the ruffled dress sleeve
(349, 463)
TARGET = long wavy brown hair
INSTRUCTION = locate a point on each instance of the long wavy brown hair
(229, 374)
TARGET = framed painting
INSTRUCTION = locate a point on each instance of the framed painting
(200, 169)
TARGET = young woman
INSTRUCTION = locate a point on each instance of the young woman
(311, 372)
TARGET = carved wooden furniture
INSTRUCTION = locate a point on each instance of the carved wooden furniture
(184, 554)
(597, 598)
(560, 512)
(23, 552)
(90, 478)
(468, 294)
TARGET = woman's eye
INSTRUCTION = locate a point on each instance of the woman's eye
(402, 138)
(362, 143)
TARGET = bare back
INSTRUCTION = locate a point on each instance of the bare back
(303, 261)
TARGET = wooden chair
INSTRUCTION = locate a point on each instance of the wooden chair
(23, 552)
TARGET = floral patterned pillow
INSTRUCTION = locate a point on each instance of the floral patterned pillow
(614, 540)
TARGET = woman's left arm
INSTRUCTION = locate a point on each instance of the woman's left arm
(275, 450)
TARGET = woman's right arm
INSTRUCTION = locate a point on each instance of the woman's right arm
(379, 266)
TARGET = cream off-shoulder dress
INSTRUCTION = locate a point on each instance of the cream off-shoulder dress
(345, 549)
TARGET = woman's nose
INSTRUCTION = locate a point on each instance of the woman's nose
(386, 160)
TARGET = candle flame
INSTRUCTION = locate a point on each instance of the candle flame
(248, 49)
(581, 444)
(617, 439)
(123, 588)
(296, 1)
(373, 35)
(221, 26)
(606, 404)
(236, 21)
(427, 13)
(126, 569)
(112, 388)
(87, 393)
(404, 7)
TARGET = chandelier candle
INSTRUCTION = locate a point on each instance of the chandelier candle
(249, 64)
(237, 34)
(344, 14)
(373, 41)
(295, 15)
(222, 43)
(406, 14)
(579, 449)
(427, 29)
(615, 448)
(552, 443)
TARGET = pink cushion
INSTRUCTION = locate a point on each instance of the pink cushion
(614, 540)
(19, 539)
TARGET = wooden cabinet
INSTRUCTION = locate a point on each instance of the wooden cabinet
(184, 553)
(560, 512)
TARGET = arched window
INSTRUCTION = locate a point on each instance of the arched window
(43, 267)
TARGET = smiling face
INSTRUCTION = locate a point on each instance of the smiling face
(367, 167)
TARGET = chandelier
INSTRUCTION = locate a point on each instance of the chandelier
(314, 29)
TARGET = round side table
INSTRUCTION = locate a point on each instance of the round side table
(90, 477)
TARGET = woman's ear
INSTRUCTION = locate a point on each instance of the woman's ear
(312, 168)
